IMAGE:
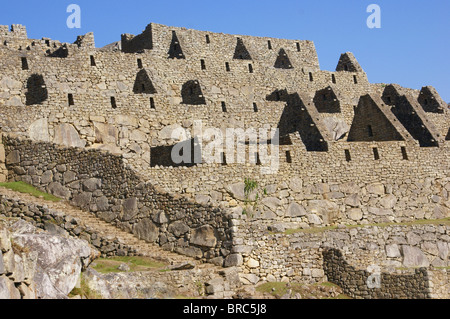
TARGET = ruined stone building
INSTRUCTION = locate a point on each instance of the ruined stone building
(94, 126)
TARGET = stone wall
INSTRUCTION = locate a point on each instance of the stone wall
(354, 282)
(17, 269)
(62, 224)
(99, 182)
(3, 170)
(76, 109)
(298, 255)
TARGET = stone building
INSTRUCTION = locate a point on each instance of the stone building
(350, 152)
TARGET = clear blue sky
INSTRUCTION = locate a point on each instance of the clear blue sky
(412, 48)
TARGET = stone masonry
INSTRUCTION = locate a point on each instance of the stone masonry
(95, 126)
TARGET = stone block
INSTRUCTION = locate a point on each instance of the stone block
(204, 236)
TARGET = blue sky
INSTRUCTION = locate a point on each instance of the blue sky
(412, 48)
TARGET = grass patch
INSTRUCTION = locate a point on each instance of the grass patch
(315, 230)
(110, 265)
(84, 291)
(25, 188)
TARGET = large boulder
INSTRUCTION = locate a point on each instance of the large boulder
(38, 131)
(67, 135)
(41, 265)
(204, 236)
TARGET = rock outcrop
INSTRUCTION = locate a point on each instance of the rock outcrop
(36, 265)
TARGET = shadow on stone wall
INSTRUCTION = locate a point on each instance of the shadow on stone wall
(191, 93)
(355, 282)
(100, 183)
(296, 118)
(37, 90)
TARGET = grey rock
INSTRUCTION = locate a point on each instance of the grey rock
(146, 230)
(59, 262)
(355, 214)
(295, 210)
(92, 184)
(124, 267)
(4, 289)
(443, 248)
(393, 251)
(102, 204)
(413, 238)
(202, 199)
(183, 266)
(47, 177)
(233, 260)
(296, 184)
(67, 135)
(314, 219)
(353, 200)
(38, 131)
(272, 203)
(237, 191)
(214, 286)
(160, 218)
(376, 189)
(2, 266)
(327, 210)
(69, 177)
(58, 190)
(337, 128)
(178, 228)
(13, 158)
(193, 252)
(204, 236)
(388, 201)
(82, 200)
(414, 257)
(130, 208)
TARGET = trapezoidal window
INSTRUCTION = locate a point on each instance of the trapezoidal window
(139, 63)
(224, 159)
(376, 154)
(113, 102)
(24, 63)
(269, 45)
(203, 64)
(143, 84)
(208, 41)
(250, 68)
(227, 66)
(288, 157)
(404, 153)
(355, 79)
(92, 60)
(224, 107)
(191, 93)
(333, 78)
(311, 78)
(348, 156)
(37, 90)
(255, 108)
(152, 104)
(298, 47)
(70, 99)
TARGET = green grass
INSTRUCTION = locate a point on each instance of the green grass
(110, 265)
(84, 291)
(314, 230)
(278, 289)
(25, 188)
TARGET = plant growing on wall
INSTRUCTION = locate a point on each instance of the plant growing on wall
(249, 188)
